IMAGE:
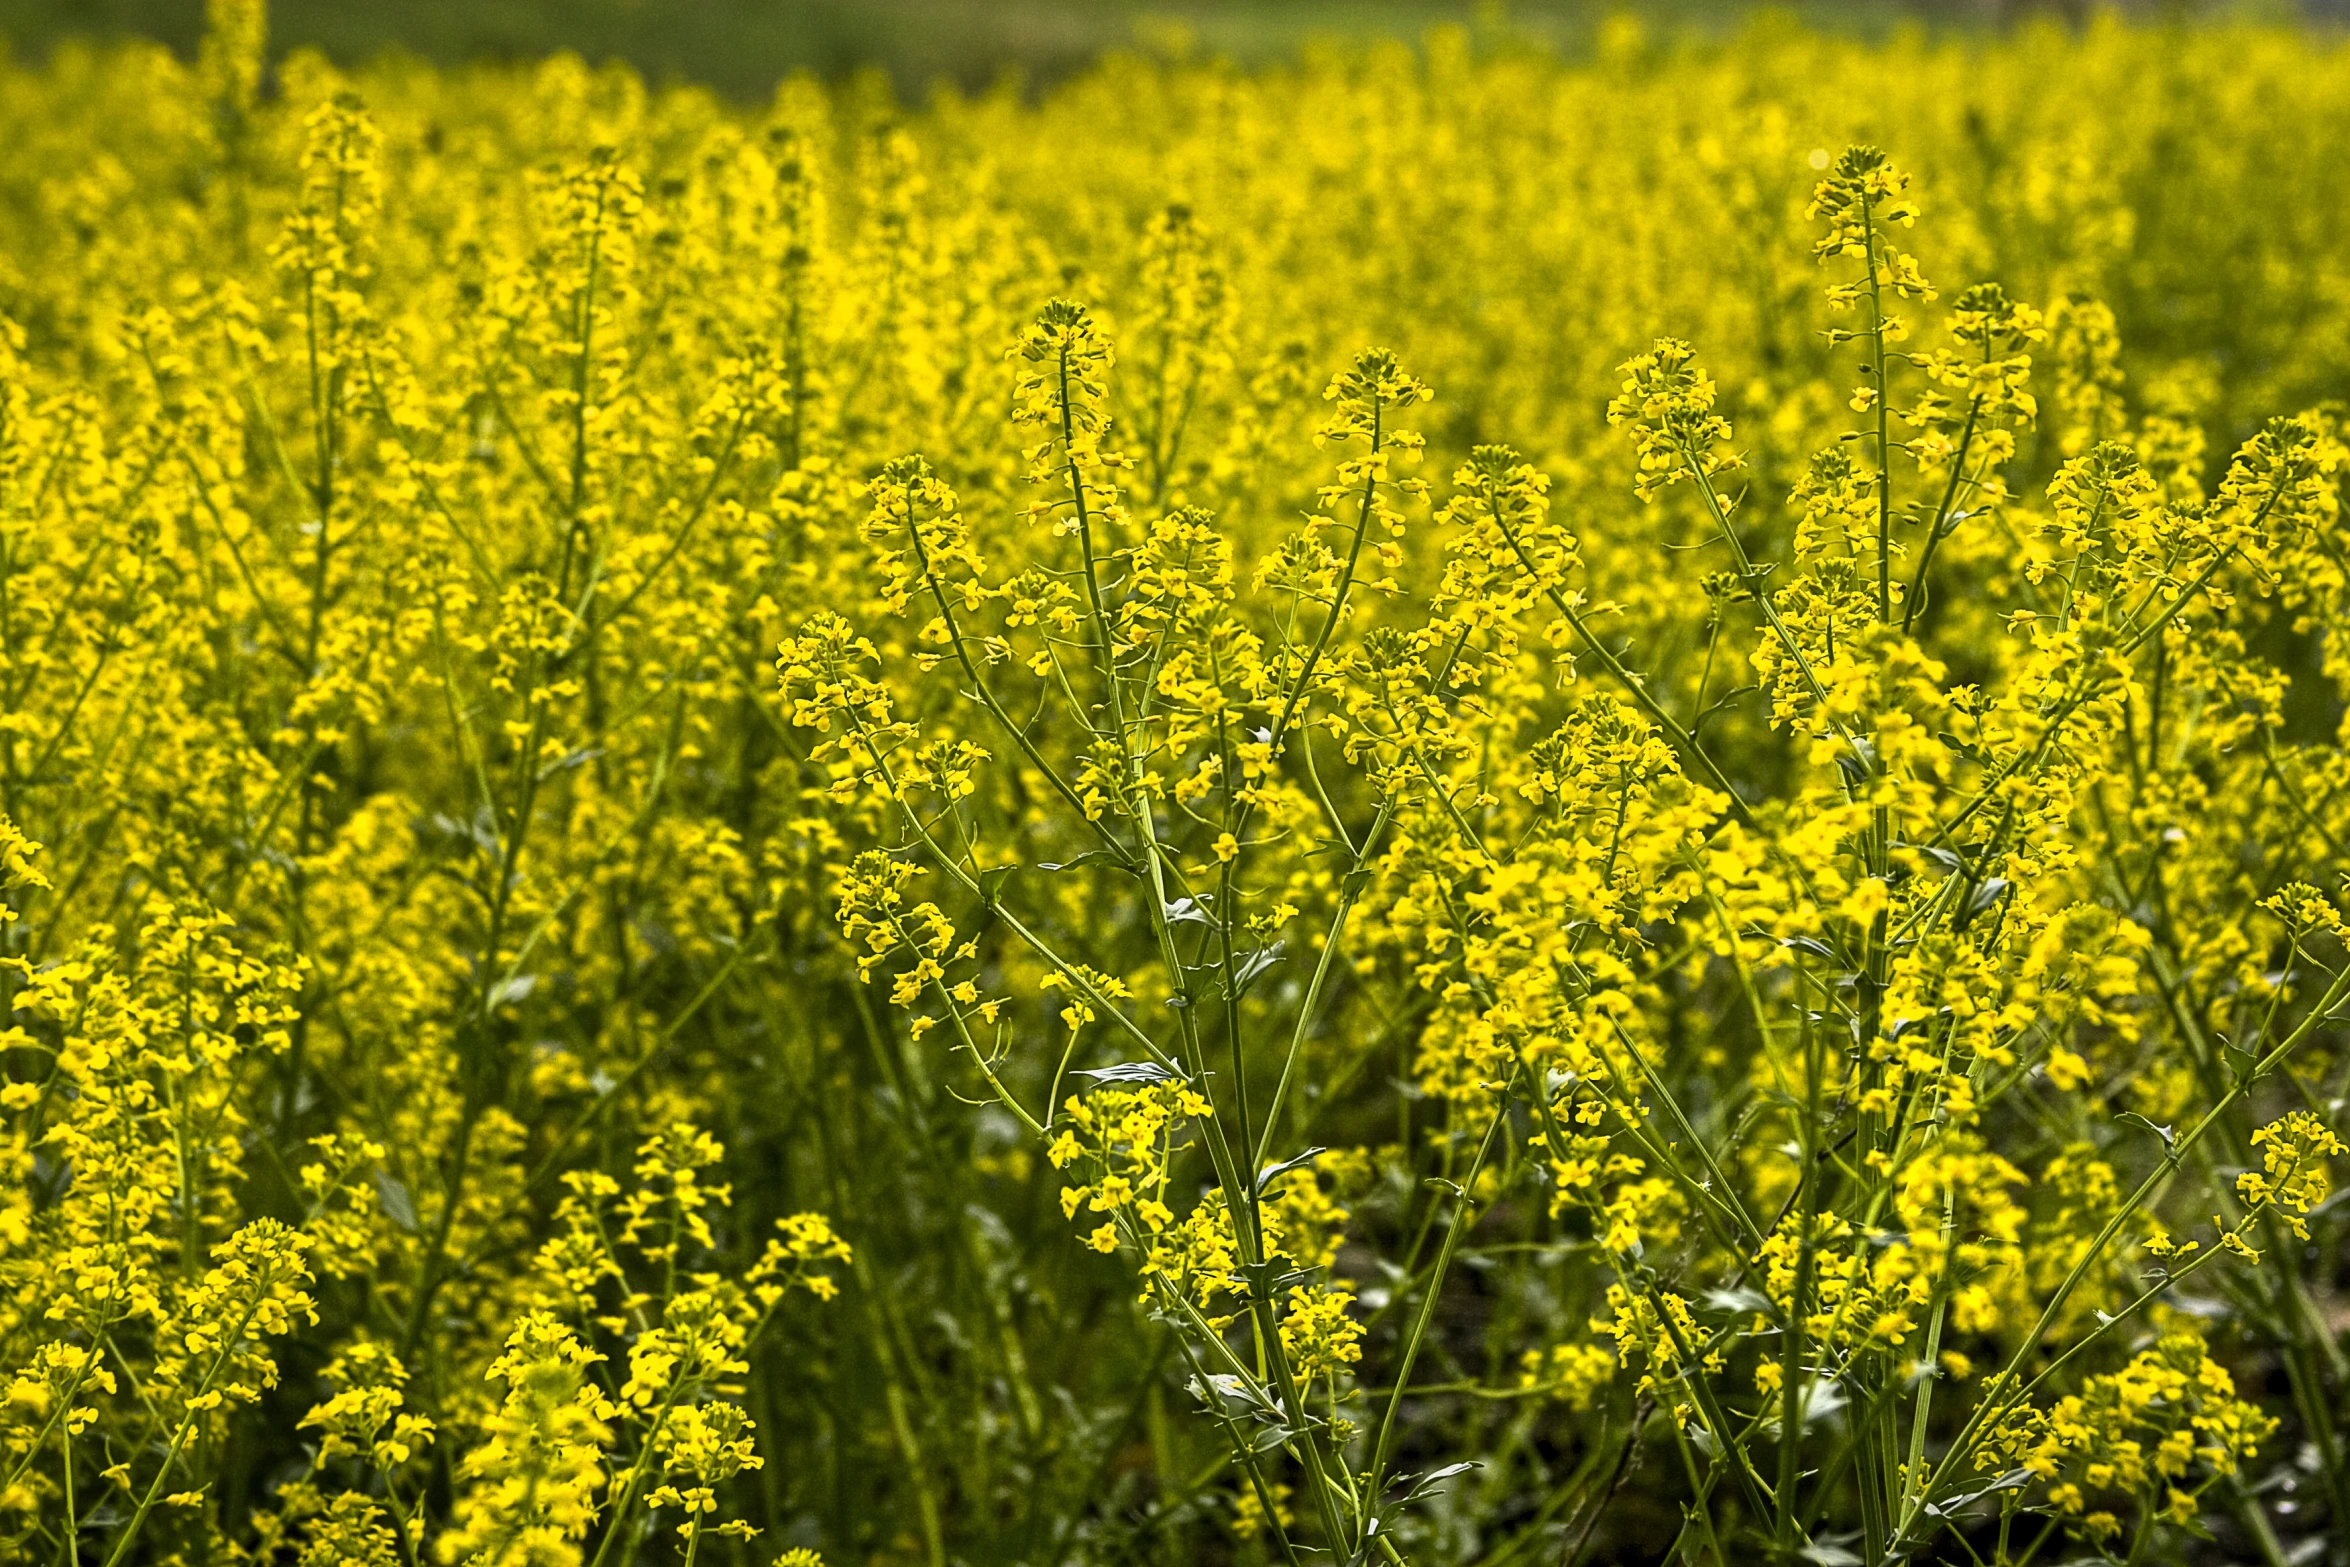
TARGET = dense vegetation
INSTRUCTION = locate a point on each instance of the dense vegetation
(736, 833)
(741, 47)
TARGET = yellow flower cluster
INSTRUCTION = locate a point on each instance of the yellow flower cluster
(1405, 920)
(2150, 1438)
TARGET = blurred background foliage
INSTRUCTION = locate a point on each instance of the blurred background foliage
(743, 47)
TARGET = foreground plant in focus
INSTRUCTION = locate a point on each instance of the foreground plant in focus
(1857, 1326)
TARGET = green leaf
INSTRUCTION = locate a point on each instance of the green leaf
(1255, 963)
(1272, 1172)
(1089, 857)
(393, 1197)
(1128, 1072)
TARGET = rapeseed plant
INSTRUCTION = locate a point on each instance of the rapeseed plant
(729, 833)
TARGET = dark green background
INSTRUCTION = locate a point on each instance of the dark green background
(745, 46)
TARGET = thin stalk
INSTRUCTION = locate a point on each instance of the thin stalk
(1463, 1205)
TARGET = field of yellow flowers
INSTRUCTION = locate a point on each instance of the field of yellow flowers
(1438, 807)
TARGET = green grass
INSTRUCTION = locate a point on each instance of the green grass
(744, 46)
